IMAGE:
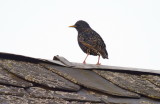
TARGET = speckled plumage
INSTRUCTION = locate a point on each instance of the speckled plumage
(90, 41)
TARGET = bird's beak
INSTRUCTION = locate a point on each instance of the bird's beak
(72, 26)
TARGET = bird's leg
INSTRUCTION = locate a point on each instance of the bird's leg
(88, 51)
(84, 62)
(98, 60)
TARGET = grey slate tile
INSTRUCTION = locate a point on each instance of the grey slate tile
(16, 57)
(131, 82)
(9, 90)
(90, 80)
(108, 99)
(76, 102)
(11, 79)
(104, 67)
(53, 62)
(116, 100)
(155, 79)
(9, 99)
(38, 74)
(69, 96)
(16, 69)
(62, 60)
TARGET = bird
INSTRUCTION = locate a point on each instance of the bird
(90, 41)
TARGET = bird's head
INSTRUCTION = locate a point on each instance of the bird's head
(80, 25)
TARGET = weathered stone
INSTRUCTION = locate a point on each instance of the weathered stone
(46, 101)
(9, 90)
(155, 79)
(131, 82)
(26, 80)
(11, 79)
(69, 96)
(9, 99)
(90, 80)
(76, 102)
(38, 74)
(99, 95)
(116, 100)
(107, 99)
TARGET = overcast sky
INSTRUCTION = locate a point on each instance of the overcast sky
(39, 28)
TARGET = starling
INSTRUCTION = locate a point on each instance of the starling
(90, 41)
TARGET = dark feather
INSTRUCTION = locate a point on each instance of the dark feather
(90, 41)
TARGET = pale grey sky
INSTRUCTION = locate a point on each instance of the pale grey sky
(39, 28)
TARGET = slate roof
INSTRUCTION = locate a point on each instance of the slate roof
(27, 80)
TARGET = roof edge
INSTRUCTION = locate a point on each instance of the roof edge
(16, 57)
(58, 60)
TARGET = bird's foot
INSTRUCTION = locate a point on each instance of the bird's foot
(98, 63)
(84, 62)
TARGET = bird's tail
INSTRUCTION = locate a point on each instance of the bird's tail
(104, 54)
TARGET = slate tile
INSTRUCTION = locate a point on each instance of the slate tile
(108, 99)
(9, 99)
(46, 101)
(52, 62)
(11, 79)
(38, 74)
(142, 100)
(90, 80)
(16, 57)
(76, 102)
(62, 60)
(133, 83)
(69, 96)
(104, 67)
(9, 90)
(155, 79)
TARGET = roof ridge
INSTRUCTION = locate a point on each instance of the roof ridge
(59, 60)
(103, 67)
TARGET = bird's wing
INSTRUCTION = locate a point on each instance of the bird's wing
(88, 45)
(92, 40)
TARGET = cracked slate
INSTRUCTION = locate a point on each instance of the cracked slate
(10, 79)
(38, 74)
(69, 96)
(90, 80)
(131, 82)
